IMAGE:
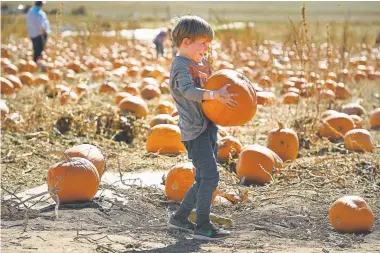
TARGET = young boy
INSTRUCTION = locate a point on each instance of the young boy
(189, 72)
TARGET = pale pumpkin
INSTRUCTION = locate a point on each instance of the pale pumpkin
(75, 179)
(165, 139)
(351, 214)
(246, 99)
(358, 140)
(91, 153)
(353, 108)
(256, 164)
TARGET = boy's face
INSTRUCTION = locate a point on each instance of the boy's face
(196, 49)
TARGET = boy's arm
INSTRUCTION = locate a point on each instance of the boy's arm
(185, 85)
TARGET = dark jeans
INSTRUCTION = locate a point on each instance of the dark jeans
(204, 152)
(39, 43)
(159, 48)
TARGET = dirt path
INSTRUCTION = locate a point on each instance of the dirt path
(294, 222)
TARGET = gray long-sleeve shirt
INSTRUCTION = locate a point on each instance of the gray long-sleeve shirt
(186, 90)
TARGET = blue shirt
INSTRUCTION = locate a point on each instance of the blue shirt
(37, 20)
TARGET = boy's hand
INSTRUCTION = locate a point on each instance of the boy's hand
(224, 96)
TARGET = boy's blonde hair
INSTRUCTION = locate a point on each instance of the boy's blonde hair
(191, 27)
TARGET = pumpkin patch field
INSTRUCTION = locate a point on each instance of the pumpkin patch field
(299, 157)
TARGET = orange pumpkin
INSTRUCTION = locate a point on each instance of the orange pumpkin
(358, 140)
(76, 179)
(284, 142)
(353, 108)
(342, 92)
(55, 75)
(91, 153)
(6, 86)
(178, 181)
(42, 79)
(150, 91)
(290, 98)
(266, 98)
(228, 145)
(374, 118)
(134, 105)
(162, 119)
(120, 95)
(26, 78)
(256, 164)
(132, 88)
(108, 87)
(17, 84)
(165, 107)
(351, 214)
(165, 139)
(336, 126)
(10, 69)
(265, 81)
(246, 99)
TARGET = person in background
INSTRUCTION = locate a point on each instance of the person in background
(38, 28)
(159, 41)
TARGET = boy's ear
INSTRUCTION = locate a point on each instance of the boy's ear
(186, 42)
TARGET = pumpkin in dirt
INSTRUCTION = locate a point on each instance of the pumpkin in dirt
(162, 119)
(150, 91)
(17, 84)
(134, 105)
(75, 179)
(358, 140)
(227, 146)
(256, 164)
(246, 99)
(165, 107)
(374, 118)
(26, 78)
(335, 126)
(91, 153)
(132, 88)
(120, 95)
(6, 86)
(353, 108)
(284, 142)
(42, 79)
(290, 98)
(108, 87)
(179, 180)
(351, 214)
(266, 98)
(165, 139)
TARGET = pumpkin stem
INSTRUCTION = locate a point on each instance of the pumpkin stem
(280, 124)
